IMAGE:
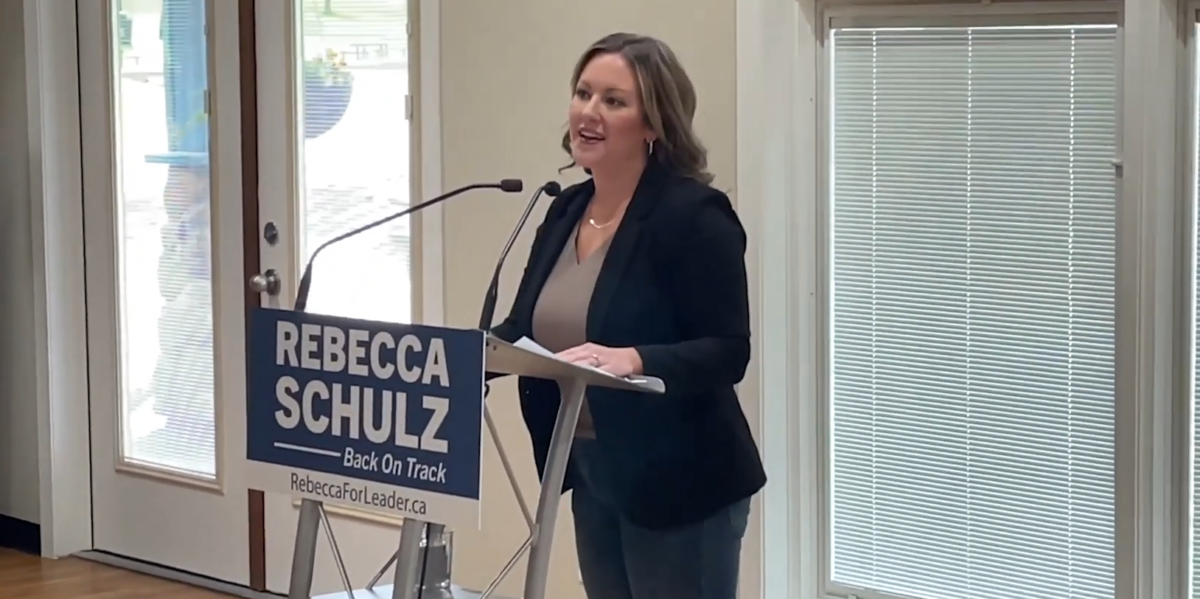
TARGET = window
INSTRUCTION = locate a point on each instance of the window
(972, 373)
(354, 156)
(164, 251)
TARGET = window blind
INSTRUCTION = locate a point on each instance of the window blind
(973, 202)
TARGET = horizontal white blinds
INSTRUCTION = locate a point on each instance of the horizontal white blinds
(973, 202)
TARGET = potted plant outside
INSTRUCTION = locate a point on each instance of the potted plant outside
(328, 86)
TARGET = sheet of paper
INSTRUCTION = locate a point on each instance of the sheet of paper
(528, 344)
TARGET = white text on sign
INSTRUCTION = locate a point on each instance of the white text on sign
(389, 464)
(353, 407)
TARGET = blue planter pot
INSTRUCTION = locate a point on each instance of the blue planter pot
(325, 104)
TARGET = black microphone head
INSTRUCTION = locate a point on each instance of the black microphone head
(552, 188)
(511, 185)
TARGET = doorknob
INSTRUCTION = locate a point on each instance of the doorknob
(267, 282)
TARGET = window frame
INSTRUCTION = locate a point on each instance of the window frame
(1154, 364)
(843, 14)
(426, 249)
(1188, 247)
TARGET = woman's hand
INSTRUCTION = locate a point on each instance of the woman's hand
(617, 361)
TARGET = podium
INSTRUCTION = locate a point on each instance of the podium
(498, 357)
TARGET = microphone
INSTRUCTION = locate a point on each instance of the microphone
(550, 188)
(505, 185)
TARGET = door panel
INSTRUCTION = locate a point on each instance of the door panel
(333, 88)
(162, 197)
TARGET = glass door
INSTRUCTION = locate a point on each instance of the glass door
(165, 299)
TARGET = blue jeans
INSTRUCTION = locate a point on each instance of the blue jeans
(619, 560)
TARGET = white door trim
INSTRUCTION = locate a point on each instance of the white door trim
(777, 182)
(429, 123)
(64, 446)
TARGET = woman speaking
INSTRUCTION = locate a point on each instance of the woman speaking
(641, 270)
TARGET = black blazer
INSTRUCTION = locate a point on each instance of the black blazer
(673, 285)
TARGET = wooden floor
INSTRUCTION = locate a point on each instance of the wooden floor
(28, 577)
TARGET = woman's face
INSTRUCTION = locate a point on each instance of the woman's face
(606, 120)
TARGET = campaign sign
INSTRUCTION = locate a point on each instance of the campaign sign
(379, 416)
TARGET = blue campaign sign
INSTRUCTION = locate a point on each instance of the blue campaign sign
(381, 416)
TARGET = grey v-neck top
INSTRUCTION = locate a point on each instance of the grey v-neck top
(560, 314)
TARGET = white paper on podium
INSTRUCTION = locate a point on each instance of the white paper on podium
(528, 344)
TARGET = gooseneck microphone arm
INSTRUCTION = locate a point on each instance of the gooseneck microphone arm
(506, 185)
(552, 189)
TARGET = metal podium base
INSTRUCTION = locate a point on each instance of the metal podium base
(417, 537)
(407, 558)
(385, 592)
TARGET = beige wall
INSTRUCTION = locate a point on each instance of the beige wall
(505, 89)
(18, 403)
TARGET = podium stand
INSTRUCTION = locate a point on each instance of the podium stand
(500, 358)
